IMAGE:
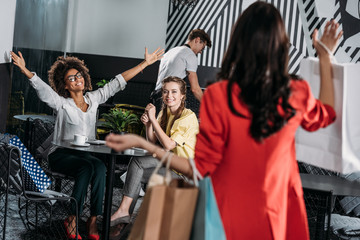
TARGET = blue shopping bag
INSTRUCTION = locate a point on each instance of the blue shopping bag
(207, 223)
(35, 178)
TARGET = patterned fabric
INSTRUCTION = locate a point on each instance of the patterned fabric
(35, 178)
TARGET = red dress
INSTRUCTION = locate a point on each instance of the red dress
(257, 186)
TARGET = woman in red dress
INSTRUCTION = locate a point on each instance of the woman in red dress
(248, 123)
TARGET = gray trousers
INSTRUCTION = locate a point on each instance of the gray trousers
(139, 171)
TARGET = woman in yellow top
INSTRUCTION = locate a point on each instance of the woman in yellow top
(175, 129)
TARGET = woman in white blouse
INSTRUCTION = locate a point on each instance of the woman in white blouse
(76, 106)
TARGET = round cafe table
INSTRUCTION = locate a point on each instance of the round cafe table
(103, 149)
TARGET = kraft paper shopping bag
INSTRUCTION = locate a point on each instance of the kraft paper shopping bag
(167, 210)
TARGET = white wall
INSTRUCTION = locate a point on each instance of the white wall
(7, 21)
(116, 27)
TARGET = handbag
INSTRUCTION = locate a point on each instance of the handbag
(168, 207)
(336, 146)
(207, 224)
(35, 178)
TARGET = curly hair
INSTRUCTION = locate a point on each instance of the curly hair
(59, 69)
(182, 86)
(257, 61)
(201, 34)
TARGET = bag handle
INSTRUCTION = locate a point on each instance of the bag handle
(196, 174)
(168, 156)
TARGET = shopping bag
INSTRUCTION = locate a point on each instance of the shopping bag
(167, 210)
(335, 147)
(35, 178)
(207, 224)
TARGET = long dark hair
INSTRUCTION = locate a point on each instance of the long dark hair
(257, 61)
(182, 86)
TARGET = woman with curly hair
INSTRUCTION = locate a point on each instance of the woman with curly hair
(248, 122)
(174, 129)
(76, 107)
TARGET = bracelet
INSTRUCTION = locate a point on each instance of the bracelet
(141, 68)
(332, 57)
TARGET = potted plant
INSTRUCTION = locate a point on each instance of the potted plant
(119, 120)
(102, 83)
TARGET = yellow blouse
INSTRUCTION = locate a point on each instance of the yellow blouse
(183, 132)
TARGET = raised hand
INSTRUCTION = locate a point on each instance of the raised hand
(329, 39)
(145, 119)
(19, 61)
(153, 57)
(150, 110)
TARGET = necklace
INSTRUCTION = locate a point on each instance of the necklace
(81, 105)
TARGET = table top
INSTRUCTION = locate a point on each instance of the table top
(101, 148)
(25, 117)
(338, 185)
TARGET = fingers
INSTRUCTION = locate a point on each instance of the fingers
(315, 37)
(326, 29)
(156, 50)
(20, 54)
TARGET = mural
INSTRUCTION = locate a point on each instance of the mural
(301, 17)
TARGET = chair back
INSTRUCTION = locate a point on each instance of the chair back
(40, 140)
(9, 180)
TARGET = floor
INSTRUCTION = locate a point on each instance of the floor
(15, 228)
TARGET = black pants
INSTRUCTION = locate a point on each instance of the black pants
(86, 169)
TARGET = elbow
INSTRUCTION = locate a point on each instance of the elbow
(169, 146)
(196, 90)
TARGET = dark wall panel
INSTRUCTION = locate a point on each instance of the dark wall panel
(5, 84)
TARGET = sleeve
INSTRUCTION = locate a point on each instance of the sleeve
(191, 63)
(316, 114)
(184, 131)
(101, 95)
(210, 142)
(45, 92)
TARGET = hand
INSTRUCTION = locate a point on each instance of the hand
(329, 38)
(153, 57)
(150, 110)
(18, 60)
(145, 119)
(122, 142)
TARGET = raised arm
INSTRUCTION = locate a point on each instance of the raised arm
(164, 139)
(194, 84)
(325, 48)
(149, 59)
(20, 62)
(150, 136)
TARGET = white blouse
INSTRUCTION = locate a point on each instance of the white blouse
(70, 119)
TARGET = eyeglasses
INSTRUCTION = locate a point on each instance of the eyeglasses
(72, 78)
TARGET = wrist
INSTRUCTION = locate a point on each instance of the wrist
(325, 58)
(144, 64)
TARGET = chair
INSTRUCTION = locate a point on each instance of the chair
(41, 137)
(42, 213)
(324, 204)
